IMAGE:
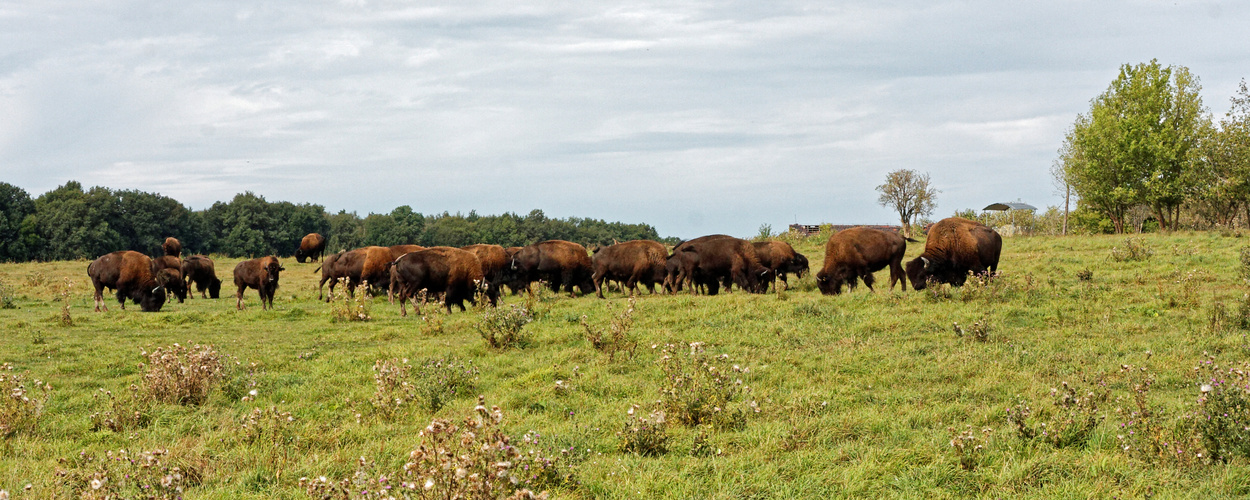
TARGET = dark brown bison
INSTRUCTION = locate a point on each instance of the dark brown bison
(781, 260)
(453, 272)
(130, 273)
(172, 246)
(631, 262)
(174, 265)
(679, 269)
(199, 270)
(511, 277)
(495, 260)
(261, 274)
(856, 253)
(398, 250)
(725, 260)
(363, 265)
(310, 247)
(955, 247)
(561, 263)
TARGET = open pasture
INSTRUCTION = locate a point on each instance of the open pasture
(864, 394)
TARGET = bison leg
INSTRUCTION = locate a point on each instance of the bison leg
(896, 274)
(597, 279)
(238, 298)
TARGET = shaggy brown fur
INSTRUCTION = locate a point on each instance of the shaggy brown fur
(261, 274)
(561, 263)
(451, 271)
(955, 247)
(855, 253)
(199, 270)
(311, 247)
(130, 273)
(631, 262)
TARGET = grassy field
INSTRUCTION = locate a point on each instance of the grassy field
(859, 395)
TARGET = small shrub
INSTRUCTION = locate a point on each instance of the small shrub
(182, 375)
(63, 291)
(36, 279)
(701, 445)
(701, 389)
(979, 331)
(121, 415)
(646, 436)
(1244, 258)
(1219, 321)
(20, 407)
(1074, 415)
(986, 287)
(355, 307)
(1147, 433)
(1222, 416)
(431, 385)
(472, 460)
(121, 474)
(968, 446)
(7, 299)
(1131, 250)
(617, 338)
(504, 328)
(1085, 275)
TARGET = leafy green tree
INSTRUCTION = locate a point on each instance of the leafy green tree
(400, 227)
(448, 230)
(1224, 164)
(291, 223)
(144, 220)
(1135, 146)
(241, 226)
(73, 224)
(347, 231)
(15, 206)
(910, 194)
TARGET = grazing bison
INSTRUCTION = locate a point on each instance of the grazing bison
(261, 274)
(130, 273)
(780, 259)
(955, 246)
(172, 246)
(631, 262)
(199, 270)
(725, 259)
(856, 253)
(495, 260)
(174, 265)
(557, 261)
(453, 272)
(310, 247)
(511, 277)
(363, 265)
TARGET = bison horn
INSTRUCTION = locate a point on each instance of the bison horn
(926, 262)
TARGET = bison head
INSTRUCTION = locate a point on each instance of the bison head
(172, 280)
(299, 255)
(919, 270)
(271, 271)
(214, 288)
(152, 299)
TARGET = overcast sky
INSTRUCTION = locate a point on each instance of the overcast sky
(695, 117)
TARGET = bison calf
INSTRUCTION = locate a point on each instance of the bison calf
(261, 274)
(130, 273)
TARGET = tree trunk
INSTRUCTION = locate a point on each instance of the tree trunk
(1067, 197)
(906, 228)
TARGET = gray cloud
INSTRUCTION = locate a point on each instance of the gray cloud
(695, 117)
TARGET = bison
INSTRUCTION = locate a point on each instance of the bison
(261, 274)
(561, 263)
(631, 262)
(780, 259)
(679, 269)
(130, 273)
(495, 260)
(453, 272)
(724, 259)
(178, 287)
(172, 247)
(855, 253)
(199, 270)
(955, 247)
(310, 247)
(363, 265)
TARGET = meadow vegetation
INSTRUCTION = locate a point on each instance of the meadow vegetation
(1092, 366)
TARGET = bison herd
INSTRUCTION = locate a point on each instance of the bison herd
(954, 248)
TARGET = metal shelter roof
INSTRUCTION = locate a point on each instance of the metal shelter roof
(1010, 206)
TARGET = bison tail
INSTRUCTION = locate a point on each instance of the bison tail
(317, 269)
(911, 240)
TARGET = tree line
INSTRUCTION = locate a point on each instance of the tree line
(70, 222)
(1149, 151)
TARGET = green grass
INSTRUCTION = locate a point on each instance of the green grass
(856, 392)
